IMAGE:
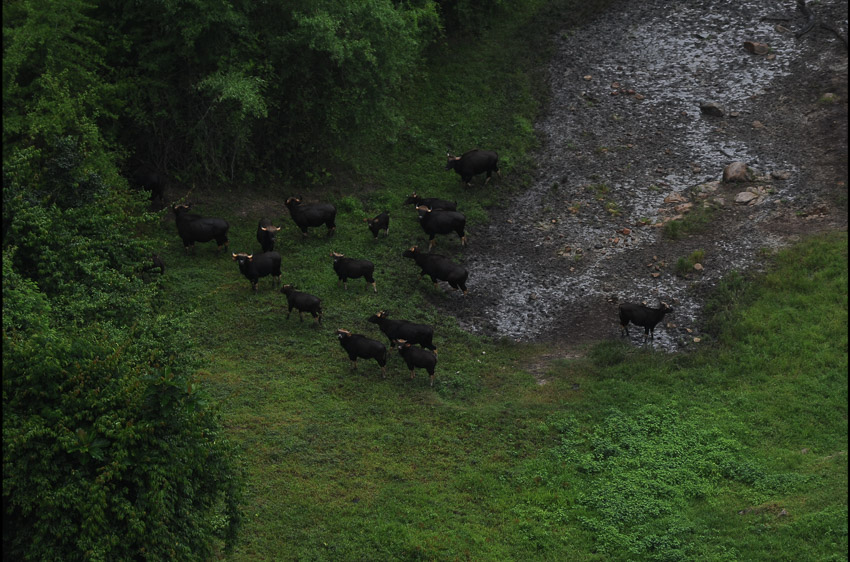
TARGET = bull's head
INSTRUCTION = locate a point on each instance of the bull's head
(343, 333)
(336, 255)
(450, 160)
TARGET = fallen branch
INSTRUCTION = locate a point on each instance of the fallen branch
(810, 18)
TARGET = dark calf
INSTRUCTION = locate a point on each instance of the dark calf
(253, 267)
(416, 357)
(432, 203)
(350, 268)
(303, 302)
(421, 334)
(473, 163)
(311, 214)
(379, 223)
(439, 268)
(266, 233)
(441, 222)
(194, 228)
(357, 345)
(643, 316)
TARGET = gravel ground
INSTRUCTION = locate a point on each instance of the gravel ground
(625, 148)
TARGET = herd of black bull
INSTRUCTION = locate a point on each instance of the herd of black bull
(436, 216)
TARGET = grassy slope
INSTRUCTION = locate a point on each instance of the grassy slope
(649, 456)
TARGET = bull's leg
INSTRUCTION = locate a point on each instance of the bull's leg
(375, 286)
(300, 315)
(412, 373)
(383, 371)
(431, 242)
(432, 380)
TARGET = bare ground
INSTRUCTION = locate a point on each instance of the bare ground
(625, 146)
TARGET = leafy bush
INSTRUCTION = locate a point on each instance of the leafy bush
(104, 456)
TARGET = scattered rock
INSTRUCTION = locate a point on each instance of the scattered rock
(588, 77)
(782, 29)
(758, 125)
(712, 109)
(698, 266)
(697, 340)
(745, 197)
(828, 98)
(675, 198)
(738, 172)
(656, 275)
(780, 174)
(639, 96)
(783, 513)
(756, 48)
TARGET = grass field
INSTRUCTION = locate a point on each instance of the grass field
(736, 452)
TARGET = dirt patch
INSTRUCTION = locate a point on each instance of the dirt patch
(626, 148)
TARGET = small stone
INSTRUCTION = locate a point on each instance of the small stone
(675, 198)
(771, 56)
(588, 77)
(688, 330)
(698, 266)
(712, 109)
(781, 28)
(828, 98)
(745, 197)
(783, 513)
(737, 172)
(697, 340)
(780, 174)
(626, 231)
(656, 275)
(734, 114)
(756, 48)
(639, 96)
(758, 125)
(615, 85)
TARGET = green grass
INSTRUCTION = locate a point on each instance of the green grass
(653, 456)
(623, 454)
